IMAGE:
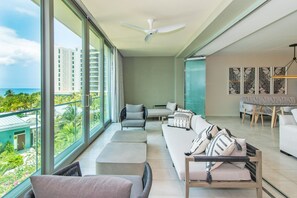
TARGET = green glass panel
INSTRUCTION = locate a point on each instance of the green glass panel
(195, 86)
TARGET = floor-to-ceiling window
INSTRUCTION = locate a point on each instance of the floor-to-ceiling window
(95, 69)
(20, 82)
(78, 80)
(69, 79)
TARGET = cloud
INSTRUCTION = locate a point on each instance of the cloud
(26, 11)
(16, 50)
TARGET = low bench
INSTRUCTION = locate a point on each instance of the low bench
(121, 159)
(136, 136)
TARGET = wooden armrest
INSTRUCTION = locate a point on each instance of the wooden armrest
(221, 158)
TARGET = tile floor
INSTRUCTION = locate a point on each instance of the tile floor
(278, 168)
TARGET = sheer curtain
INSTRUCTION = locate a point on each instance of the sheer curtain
(117, 87)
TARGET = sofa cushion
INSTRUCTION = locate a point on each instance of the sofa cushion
(51, 186)
(171, 106)
(199, 124)
(202, 140)
(133, 123)
(134, 115)
(134, 108)
(221, 145)
(294, 112)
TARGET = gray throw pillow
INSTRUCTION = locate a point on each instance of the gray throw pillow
(134, 115)
(134, 108)
(52, 186)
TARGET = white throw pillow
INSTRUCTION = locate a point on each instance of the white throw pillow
(52, 186)
(221, 145)
(182, 120)
(200, 124)
(202, 140)
(294, 112)
(171, 106)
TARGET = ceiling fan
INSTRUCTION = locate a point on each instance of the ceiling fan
(152, 31)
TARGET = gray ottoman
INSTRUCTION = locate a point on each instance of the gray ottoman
(121, 159)
(137, 136)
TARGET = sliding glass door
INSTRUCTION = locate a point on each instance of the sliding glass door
(69, 80)
(95, 70)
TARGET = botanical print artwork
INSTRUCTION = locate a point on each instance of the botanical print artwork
(279, 84)
(264, 80)
(249, 80)
(234, 80)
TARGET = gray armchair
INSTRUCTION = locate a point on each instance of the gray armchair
(133, 116)
(144, 183)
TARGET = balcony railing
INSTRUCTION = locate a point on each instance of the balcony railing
(23, 134)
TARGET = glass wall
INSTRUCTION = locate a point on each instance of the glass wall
(195, 84)
(69, 79)
(21, 125)
(95, 69)
(20, 82)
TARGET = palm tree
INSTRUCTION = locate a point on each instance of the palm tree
(9, 92)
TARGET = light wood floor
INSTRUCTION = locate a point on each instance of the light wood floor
(278, 168)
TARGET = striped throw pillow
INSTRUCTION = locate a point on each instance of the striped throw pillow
(221, 145)
(182, 120)
(202, 140)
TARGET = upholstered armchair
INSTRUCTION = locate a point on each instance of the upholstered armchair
(102, 185)
(133, 116)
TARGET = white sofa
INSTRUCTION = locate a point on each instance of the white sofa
(287, 134)
(179, 141)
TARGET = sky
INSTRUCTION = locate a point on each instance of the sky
(20, 43)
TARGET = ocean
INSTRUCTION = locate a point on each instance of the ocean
(19, 90)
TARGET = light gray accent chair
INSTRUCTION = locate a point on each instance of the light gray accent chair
(133, 116)
(141, 186)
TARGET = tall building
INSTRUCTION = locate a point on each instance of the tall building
(94, 71)
(69, 70)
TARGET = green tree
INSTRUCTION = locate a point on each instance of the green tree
(9, 92)
(9, 158)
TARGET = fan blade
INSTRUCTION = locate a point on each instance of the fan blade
(170, 28)
(148, 37)
(134, 27)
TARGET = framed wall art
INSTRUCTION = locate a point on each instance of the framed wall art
(234, 80)
(264, 80)
(249, 77)
(279, 84)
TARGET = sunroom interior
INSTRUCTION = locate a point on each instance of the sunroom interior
(116, 66)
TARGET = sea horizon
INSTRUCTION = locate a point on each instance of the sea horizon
(19, 90)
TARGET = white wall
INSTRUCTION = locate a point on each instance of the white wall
(218, 102)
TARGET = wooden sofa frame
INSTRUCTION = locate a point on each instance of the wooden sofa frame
(253, 164)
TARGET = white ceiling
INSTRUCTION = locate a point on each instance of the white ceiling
(271, 27)
(268, 30)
